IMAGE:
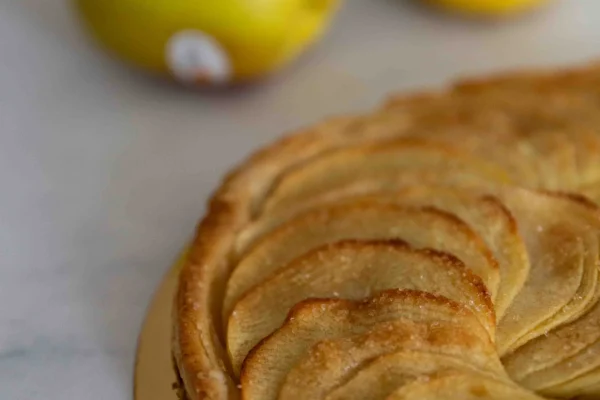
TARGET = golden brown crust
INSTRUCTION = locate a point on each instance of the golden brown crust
(383, 298)
(335, 268)
(197, 347)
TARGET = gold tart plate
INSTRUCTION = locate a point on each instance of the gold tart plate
(154, 374)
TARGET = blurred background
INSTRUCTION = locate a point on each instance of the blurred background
(105, 169)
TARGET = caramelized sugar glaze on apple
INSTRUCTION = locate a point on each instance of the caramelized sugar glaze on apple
(444, 246)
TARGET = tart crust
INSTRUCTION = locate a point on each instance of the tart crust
(198, 340)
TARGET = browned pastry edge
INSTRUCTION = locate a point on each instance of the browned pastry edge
(203, 371)
(178, 386)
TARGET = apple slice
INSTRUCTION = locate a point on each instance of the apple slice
(341, 167)
(558, 345)
(330, 363)
(381, 182)
(350, 270)
(501, 148)
(553, 154)
(488, 217)
(485, 214)
(585, 297)
(587, 146)
(557, 270)
(386, 374)
(585, 361)
(557, 241)
(315, 320)
(483, 126)
(537, 159)
(583, 387)
(419, 227)
(565, 157)
(521, 107)
(463, 385)
(520, 128)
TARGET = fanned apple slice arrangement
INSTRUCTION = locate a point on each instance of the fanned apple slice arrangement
(446, 246)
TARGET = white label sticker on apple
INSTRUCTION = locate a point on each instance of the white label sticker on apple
(193, 56)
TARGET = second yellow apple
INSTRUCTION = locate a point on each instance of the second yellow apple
(489, 8)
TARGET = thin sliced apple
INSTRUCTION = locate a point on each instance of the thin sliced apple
(563, 100)
(331, 363)
(386, 181)
(463, 385)
(313, 321)
(384, 375)
(566, 157)
(582, 388)
(556, 240)
(538, 159)
(341, 167)
(419, 227)
(519, 109)
(349, 270)
(485, 134)
(506, 120)
(495, 224)
(485, 214)
(587, 144)
(582, 363)
(522, 130)
(554, 155)
(488, 217)
(585, 297)
(556, 274)
(501, 148)
(558, 345)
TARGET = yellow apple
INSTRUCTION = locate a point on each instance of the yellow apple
(208, 41)
(489, 7)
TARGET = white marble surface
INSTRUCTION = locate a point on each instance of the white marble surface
(103, 173)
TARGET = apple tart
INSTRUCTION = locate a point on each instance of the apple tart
(444, 246)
